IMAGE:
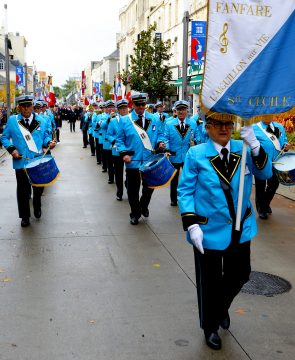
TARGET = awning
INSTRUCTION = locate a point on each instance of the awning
(194, 80)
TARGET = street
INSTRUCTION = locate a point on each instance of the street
(82, 283)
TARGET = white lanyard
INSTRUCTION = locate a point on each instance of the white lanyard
(271, 137)
(142, 135)
(28, 138)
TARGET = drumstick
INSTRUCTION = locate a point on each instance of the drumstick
(280, 153)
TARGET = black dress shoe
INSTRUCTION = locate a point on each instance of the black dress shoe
(145, 212)
(269, 211)
(225, 323)
(25, 222)
(104, 170)
(263, 215)
(84, 147)
(110, 182)
(37, 213)
(92, 154)
(173, 203)
(213, 340)
(98, 163)
(133, 221)
(119, 198)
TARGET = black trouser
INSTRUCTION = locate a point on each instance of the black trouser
(134, 180)
(110, 165)
(220, 275)
(104, 159)
(57, 133)
(85, 138)
(174, 183)
(92, 144)
(98, 150)
(72, 125)
(265, 191)
(23, 193)
(119, 174)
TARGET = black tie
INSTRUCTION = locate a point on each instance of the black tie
(27, 123)
(182, 127)
(224, 152)
(139, 121)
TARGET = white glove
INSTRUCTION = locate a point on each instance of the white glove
(196, 235)
(247, 134)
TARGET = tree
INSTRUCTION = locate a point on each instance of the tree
(149, 70)
(68, 87)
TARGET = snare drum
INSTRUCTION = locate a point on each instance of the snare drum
(158, 172)
(42, 171)
(285, 169)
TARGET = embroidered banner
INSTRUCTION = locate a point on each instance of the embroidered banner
(249, 65)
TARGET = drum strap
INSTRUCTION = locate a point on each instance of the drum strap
(142, 135)
(271, 137)
(28, 138)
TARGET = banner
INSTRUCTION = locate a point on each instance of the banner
(19, 76)
(83, 82)
(198, 43)
(249, 66)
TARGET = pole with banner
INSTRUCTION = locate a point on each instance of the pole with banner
(249, 71)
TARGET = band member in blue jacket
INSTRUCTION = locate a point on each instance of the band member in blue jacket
(180, 133)
(122, 108)
(25, 137)
(272, 137)
(160, 114)
(207, 199)
(138, 135)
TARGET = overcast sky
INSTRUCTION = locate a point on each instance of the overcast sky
(64, 36)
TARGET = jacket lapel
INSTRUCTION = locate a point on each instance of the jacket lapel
(34, 125)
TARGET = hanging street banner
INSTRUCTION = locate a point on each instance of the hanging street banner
(198, 43)
(19, 76)
(249, 66)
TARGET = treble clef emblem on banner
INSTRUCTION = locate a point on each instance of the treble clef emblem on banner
(223, 39)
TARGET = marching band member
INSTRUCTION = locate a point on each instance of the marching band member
(24, 137)
(122, 108)
(207, 199)
(107, 146)
(90, 129)
(96, 133)
(180, 133)
(160, 114)
(138, 135)
(273, 138)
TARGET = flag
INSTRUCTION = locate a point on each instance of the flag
(249, 64)
(49, 81)
(51, 99)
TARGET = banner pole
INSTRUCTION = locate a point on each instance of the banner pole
(241, 187)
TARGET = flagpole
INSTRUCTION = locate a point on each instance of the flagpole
(241, 187)
(185, 49)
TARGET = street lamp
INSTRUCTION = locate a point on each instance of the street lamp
(185, 49)
(7, 62)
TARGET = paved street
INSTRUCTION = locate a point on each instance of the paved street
(82, 283)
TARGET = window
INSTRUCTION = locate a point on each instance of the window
(2, 64)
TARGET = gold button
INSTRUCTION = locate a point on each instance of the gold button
(229, 222)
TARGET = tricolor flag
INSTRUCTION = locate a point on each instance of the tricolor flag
(249, 66)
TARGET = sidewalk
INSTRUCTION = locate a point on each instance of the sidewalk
(82, 283)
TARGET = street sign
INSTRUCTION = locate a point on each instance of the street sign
(198, 43)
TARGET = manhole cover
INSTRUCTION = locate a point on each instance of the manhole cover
(265, 284)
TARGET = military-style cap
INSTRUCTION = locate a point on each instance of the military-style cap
(181, 103)
(150, 106)
(38, 103)
(121, 103)
(159, 103)
(94, 104)
(140, 98)
(101, 104)
(24, 99)
(109, 103)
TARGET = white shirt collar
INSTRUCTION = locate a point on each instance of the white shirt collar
(30, 118)
(218, 147)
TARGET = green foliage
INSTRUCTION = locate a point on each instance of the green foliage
(236, 135)
(105, 89)
(149, 70)
(57, 91)
(68, 87)
(291, 138)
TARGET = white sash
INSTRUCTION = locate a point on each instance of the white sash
(271, 137)
(28, 138)
(142, 135)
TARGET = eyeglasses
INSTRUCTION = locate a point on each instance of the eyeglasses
(221, 124)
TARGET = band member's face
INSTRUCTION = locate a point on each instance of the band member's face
(37, 110)
(220, 131)
(26, 110)
(110, 109)
(139, 108)
(160, 109)
(181, 113)
(123, 110)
